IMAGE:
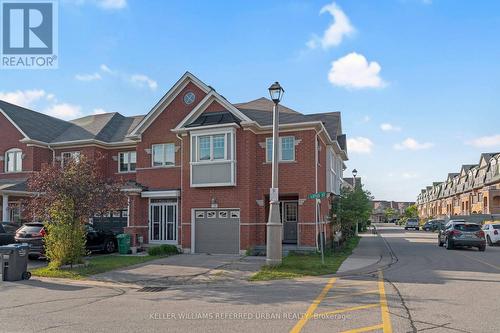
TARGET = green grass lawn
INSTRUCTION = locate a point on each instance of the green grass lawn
(297, 265)
(99, 264)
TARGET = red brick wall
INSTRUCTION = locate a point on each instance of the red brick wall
(9, 138)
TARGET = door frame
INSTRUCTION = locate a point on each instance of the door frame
(284, 202)
(165, 222)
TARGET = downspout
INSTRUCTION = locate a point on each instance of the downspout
(181, 194)
(53, 155)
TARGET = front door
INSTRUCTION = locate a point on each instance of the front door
(163, 222)
(290, 218)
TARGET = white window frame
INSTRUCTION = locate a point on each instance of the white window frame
(211, 154)
(230, 154)
(164, 162)
(128, 161)
(72, 154)
(270, 139)
(18, 161)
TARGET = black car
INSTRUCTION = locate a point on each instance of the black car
(7, 233)
(433, 225)
(461, 233)
(33, 233)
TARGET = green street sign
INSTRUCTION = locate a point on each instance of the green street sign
(318, 195)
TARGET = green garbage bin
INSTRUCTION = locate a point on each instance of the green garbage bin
(123, 243)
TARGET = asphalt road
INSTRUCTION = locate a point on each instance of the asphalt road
(415, 287)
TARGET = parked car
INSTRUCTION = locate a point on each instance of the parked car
(33, 233)
(7, 233)
(492, 232)
(461, 233)
(433, 225)
(412, 224)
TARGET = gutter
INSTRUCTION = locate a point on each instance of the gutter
(181, 190)
(53, 154)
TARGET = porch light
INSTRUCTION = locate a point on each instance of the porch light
(276, 92)
(354, 173)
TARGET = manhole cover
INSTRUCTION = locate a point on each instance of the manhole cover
(152, 289)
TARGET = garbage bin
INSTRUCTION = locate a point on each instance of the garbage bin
(14, 262)
(123, 243)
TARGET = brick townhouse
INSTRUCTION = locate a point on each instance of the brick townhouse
(474, 190)
(197, 167)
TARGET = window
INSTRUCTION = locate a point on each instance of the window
(163, 154)
(14, 160)
(287, 151)
(127, 161)
(68, 156)
(223, 214)
(212, 147)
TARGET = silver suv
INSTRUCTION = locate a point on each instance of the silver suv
(461, 233)
(412, 224)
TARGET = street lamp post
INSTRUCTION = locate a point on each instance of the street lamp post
(354, 174)
(274, 226)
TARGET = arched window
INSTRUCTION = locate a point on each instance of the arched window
(13, 160)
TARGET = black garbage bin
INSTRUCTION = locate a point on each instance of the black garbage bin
(14, 262)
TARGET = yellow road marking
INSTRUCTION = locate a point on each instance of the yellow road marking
(386, 318)
(354, 308)
(298, 327)
(353, 294)
(481, 261)
(365, 329)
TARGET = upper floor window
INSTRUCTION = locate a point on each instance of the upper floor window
(287, 151)
(163, 154)
(14, 160)
(68, 156)
(212, 147)
(127, 161)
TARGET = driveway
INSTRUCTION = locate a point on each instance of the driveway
(185, 269)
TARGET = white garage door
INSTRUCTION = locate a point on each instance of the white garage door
(217, 231)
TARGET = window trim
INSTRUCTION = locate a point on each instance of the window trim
(164, 165)
(128, 153)
(73, 153)
(13, 151)
(280, 157)
(211, 143)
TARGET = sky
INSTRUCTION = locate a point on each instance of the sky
(417, 81)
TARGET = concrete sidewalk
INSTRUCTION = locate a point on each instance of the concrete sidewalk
(185, 269)
(370, 254)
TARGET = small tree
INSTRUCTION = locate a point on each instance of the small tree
(411, 212)
(351, 207)
(390, 213)
(68, 198)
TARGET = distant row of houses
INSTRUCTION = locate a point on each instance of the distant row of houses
(380, 208)
(474, 190)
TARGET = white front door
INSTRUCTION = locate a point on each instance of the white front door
(163, 221)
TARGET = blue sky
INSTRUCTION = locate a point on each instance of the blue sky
(417, 81)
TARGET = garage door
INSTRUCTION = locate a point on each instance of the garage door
(217, 231)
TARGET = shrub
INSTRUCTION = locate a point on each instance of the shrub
(163, 250)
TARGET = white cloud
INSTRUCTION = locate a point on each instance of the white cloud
(486, 141)
(64, 111)
(99, 111)
(359, 145)
(112, 4)
(24, 98)
(386, 127)
(333, 35)
(88, 77)
(409, 175)
(366, 119)
(412, 144)
(105, 69)
(142, 80)
(354, 71)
